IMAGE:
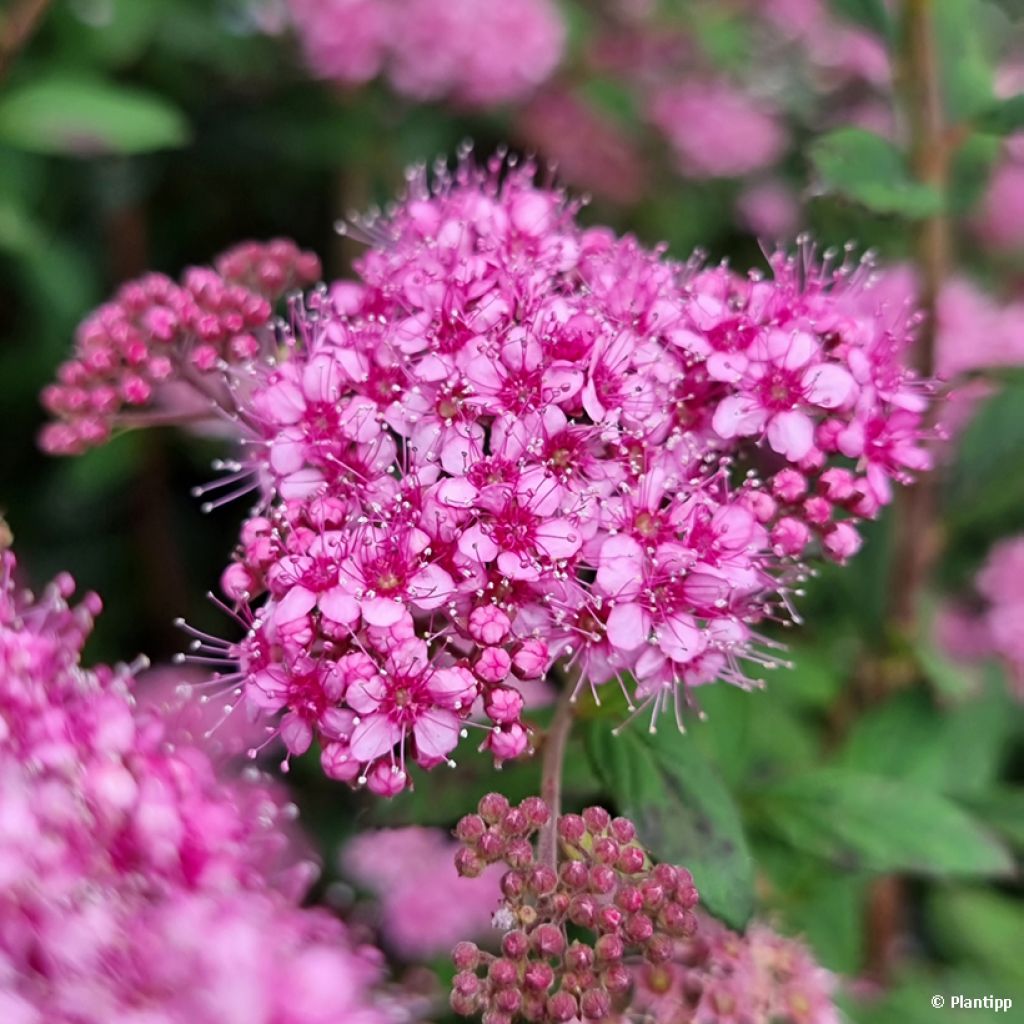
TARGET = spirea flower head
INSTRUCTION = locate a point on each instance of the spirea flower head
(135, 882)
(474, 52)
(515, 440)
(425, 907)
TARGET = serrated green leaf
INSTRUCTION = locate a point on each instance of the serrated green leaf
(870, 170)
(683, 812)
(84, 116)
(859, 821)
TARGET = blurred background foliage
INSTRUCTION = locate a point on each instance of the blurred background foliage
(150, 135)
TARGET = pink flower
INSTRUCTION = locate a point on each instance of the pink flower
(413, 700)
(716, 130)
(425, 907)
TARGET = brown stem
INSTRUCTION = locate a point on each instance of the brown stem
(916, 533)
(551, 775)
(17, 29)
(916, 542)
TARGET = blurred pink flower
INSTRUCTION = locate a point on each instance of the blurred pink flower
(589, 150)
(425, 907)
(769, 209)
(716, 129)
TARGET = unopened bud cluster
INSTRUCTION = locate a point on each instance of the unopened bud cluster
(571, 935)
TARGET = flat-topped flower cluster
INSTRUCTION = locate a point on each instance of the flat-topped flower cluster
(513, 440)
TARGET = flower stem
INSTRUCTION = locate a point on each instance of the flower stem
(930, 152)
(551, 774)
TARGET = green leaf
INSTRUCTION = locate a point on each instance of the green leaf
(971, 169)
(870, 170)
(870, 14)
(683, 812)
(982, 928)
(86, 116)
(956, 749)
(1002, 118)
(992, 441)
(1002, 809)
(859, 821)
(964, 57)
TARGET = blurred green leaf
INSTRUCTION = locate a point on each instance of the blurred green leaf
(991, 442)
(970, 171)
(1002, 809)
(84, 116)
(870, 170)
(859, 821)
(683, 812)
(982, 928)
(870, 14)
(963, 56)
(910, 1000)
(941, 748)
(1002, 118)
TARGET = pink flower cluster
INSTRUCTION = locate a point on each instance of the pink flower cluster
(135, 883)
(475, 52)
(425, 907)
(511, 442)
(720, 977)
(130, 353)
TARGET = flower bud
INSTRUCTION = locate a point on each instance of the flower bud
(571, 828)
(493, 807)
(595, 1005)
(466, 956)
(596, 820)
(515, 945)
(562, 1007)
(548, 940)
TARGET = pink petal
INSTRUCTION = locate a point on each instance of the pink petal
(727, 366)
(791, 434)
(321, 380)
(437, 733)
(680, 638)
(456, 492)
(828, 385)
(365, 695)
(430, 587)
(373, 737)
(297, 602)
(475, 544)
(296, 733)
(738, 416)
(620, 567)
(381, 611)
(339, 605)
(628, 626)
(558, 538)
(791, 349)
(284, 402)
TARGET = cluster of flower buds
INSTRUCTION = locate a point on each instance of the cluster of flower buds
(133, 353)
(515, 440)
(571, 934)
